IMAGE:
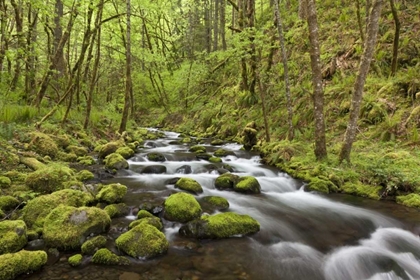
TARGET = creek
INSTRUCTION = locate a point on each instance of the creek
(303, 235)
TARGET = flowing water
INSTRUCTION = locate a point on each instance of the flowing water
(303, 235)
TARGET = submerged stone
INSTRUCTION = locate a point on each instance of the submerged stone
(154, 169)
(156, 157)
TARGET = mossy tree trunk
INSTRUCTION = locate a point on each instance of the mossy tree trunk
(318, 95)
(368, 50)
(396, 41)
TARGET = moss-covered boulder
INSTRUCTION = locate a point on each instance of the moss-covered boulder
(410, 200)
(14, 176)
(125, 152)
(8, 203)
(106, 257)
(117, 210)
(84, 175)
(216, 142)
(247, 184)
(223, 225)
(112, 193)
(215, 160)
(181, 207)
(86, 160)
(197, 149)
(189, 185)
(66, 157)
(77, 150)
(144, 214)
(153, 221)
(43, 144)
(156, 157)
(203, 156)
(93, 244)
(186, 140)
(109, 148)
(322, 185)
(38, 208)
(154, 169)
(15, 264)
(214, 203)
(143, 241)
(67, 227)
(12, 236)
(226, 181)
(5, 182)
(249, 136)
(75, 260)
(50, 178)
(115, 161)
(223, 153)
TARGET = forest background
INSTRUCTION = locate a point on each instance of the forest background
(330, 89)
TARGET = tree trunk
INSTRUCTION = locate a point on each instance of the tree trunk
(128, 81)
(369, 48)
(223, 24)
(318, 95)
(31, 38)
(285, 69)
(216, 25)
(359, 21)
(20, 43)
(394, 62)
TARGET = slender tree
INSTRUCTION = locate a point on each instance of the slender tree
(395, 44)
(368, 50)
(318, 95)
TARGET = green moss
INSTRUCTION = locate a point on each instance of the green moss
(86, 160)
(117, 210)
(32, 235)
(105, 256)
(156, 157)
(5, 182)
(143, 241)
(182, 207)
(198, 149)
(12, 236)
(14, 176)
(115, 161)
(125, 152)
(77, 150)
(109, 148)
(2, 214)
(221, 225)
(220, 203)
(186, 140)
(153, 221)
(144, 214)
(226, 181)
(50, 178)
(222, 153)
(217, 142)
(75, 260)
(410, 200)
(359, 189)
(8, 203)
(63, 141)
(215, 160)
(66, 157)
(12, 265)
(93, 244)
(189, 185)
(247, 184)
(112, 193)
(67, 227)
(84, 175)
(43, 144)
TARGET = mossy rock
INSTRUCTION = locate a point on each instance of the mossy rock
(186, 140)
(216, 202)
(115, 161)
(117, 210)
(12, 236)
(109, 148)
(216, 142)
(77, 150)
(5, 182)
(84, 175)
(143, 241)
(410, 200)
(112, 193)
(14, 176)
(66, 157)
(189, 185)
(226, 181)
(198, 149)
(322, 185)
(62, 141)
(215, 160)
(2, 214)
(223, 153)
(92, 245)
(106, 257)
(247, 184)
(156, 157)
(359, 189)
(144, 214)
(223, 225)
(125, 152)
(50, 178)
(8, 203)
(14, 264)
(181, 207)
(43, 144)
(38, 208)
(75, 260)
(86, 160)
(153, 221)
(67, 227)
(203, 156)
